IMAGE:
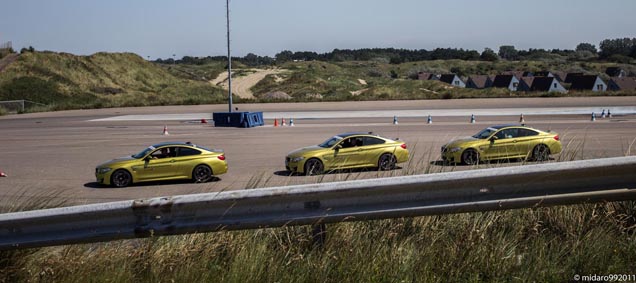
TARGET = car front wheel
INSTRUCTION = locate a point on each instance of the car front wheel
(201, 174)
(121, 178)
(470, 157)
(313, 167)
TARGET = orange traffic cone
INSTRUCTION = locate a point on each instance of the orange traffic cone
(2, 174)
(282, 122)
(165, 130)
(275, 122)
(204, 121)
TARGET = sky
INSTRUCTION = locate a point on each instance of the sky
(160, 28)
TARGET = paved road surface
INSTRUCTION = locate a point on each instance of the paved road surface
(52, 156)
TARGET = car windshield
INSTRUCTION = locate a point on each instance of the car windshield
(330, 142)
(144, 152)
(485, 133)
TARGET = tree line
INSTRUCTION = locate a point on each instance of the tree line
(622, 50)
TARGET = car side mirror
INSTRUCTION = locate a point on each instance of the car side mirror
(493, 138)
(337, 147)
(147, 158)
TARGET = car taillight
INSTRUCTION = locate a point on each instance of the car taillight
(556, 137)
(403, 146)
(222, 157)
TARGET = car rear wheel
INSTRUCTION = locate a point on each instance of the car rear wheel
(201, 174)
(470, 157)
(540, 153)
(386, 162)
(121, 178)
(313, 167)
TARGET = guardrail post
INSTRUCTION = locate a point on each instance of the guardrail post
(318, 235)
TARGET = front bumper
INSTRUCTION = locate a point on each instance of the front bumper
(452, 157)
(103, 178)
(294, 166)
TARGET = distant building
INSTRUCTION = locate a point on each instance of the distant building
(425, 76)
(506, 81)
(479, 82)
(452, 79)
(517, 74)
(615, 72)
(547, 84)
(544, 74)
(559, 75)
(625, 83)
(525, 83)
(588, 82)
(570, 76)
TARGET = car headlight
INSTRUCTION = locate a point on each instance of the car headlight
(455, 149)
(103, 170)
(296, 159)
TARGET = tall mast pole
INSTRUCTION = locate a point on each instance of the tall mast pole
(229, 57)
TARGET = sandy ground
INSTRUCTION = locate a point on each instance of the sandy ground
(241, 85)
(53, 155)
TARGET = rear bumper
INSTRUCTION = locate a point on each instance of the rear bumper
(219, 168)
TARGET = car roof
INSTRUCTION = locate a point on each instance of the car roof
(348, 134)
(506, 126)
(172, 143)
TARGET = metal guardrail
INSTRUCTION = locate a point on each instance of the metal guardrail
(610, 179)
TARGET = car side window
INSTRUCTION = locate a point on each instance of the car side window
(186, 151)
(351, 142)
(372, 141)
(163, 153)
(500, 135)
(527, 133)
(510, 133)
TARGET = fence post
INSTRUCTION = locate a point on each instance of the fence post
(318, 235)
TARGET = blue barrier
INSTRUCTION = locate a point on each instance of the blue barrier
(238, 119)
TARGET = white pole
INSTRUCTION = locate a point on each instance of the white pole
(229, 58)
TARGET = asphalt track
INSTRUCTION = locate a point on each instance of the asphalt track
(51, 157)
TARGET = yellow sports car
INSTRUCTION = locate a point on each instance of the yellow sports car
(345, 151)
(503, 142)
(164, 161)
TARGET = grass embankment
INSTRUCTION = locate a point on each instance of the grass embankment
(65, 81)
(526, 245)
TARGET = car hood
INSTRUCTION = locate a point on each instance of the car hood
(115, 161)
(461, 141)
(304, 150)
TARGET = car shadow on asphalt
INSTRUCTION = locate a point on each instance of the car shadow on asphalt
(286, 173)
(96, 185)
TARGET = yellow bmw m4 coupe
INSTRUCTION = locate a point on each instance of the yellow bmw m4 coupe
(346, 151)
(503, 142)
(161, 162)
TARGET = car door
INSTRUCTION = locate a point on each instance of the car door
(503, 146)
(158, 165)
(348, 154)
